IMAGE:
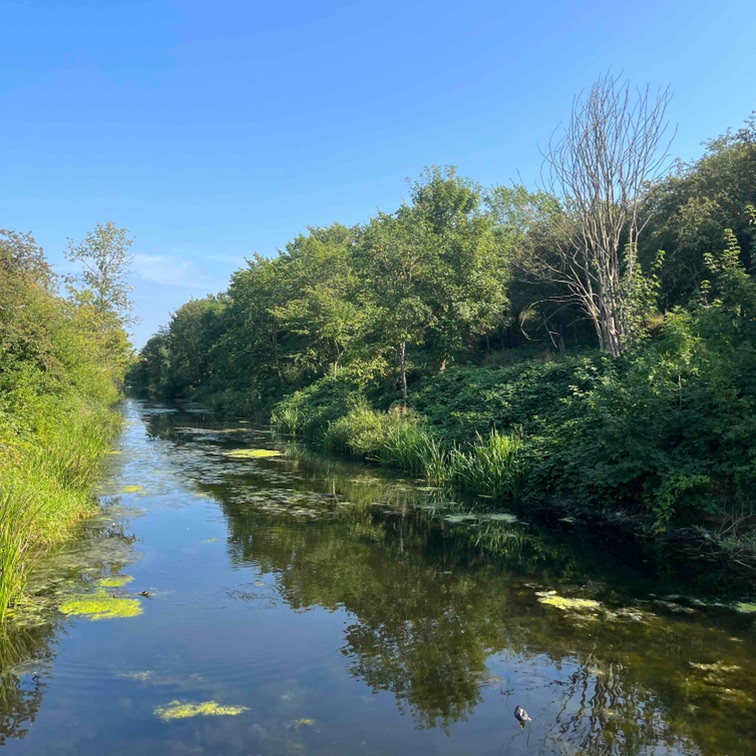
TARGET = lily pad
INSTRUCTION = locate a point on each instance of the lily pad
(183, 710)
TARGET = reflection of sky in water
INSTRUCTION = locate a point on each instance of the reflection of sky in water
(352, 612)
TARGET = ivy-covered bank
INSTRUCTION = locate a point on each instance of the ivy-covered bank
(61, 369)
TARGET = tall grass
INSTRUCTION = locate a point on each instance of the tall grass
(493, 466)
(45, 479)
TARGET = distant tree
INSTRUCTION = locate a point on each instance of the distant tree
(397, 260)
(192, 334)
(104, 256)
(465, 275)
(611, 147)
(323, 309)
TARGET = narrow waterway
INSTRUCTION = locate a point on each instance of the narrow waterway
(242, 603)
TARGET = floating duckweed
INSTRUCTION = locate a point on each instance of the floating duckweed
(145, 675)
(716, 667)
(182, 710)
(566, 604)
(116, 581)
(746, 607)
(500, 517)
(305, 722)
(252, 453)
(97, 606)
(131, 489)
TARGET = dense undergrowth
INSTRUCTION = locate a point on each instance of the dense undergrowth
(445, 339)
(665, 435)
(61, 364)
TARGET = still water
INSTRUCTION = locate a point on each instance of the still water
(299, 606)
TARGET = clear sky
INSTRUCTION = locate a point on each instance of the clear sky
(214, 129)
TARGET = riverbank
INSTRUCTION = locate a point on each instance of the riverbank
(300, 603)
(586, 437)
(61, 368)
(46, 480)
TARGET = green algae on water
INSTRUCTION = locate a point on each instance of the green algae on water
(567, 604)
(131, 489)
(252, 453)
(97, 606)
(183, 710)
(141, 676)
(116, 581)
(745, 607)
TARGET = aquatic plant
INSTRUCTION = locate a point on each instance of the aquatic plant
(116, 581)
(493, 466)
(100, 605)
(551, 598)
(252, 453)
(183, 710)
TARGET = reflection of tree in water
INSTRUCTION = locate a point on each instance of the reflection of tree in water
(21, 693)
(430, 608)
(433, 601)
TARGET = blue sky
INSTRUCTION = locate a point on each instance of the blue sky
(214, 130)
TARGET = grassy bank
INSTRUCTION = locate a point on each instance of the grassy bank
(61, 366)
(45, 487)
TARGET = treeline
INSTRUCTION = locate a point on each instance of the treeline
(62, 361)
(591, 346)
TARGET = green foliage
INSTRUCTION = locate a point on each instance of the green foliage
(493, 466)
(104, 258)
(429, 307)
(695, 204)
(61, 367)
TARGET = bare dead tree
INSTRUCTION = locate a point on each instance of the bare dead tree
(612, 146)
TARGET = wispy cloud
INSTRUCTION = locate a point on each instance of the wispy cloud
(168, 270)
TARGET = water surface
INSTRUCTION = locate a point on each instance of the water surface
(329, 608)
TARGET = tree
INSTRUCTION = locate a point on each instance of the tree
(611, 147)
(397, 260)
(692, 207)
(20, 254)
(323, 308)
(104, 255)
(466, 276)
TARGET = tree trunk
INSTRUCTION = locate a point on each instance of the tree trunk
(403, 368)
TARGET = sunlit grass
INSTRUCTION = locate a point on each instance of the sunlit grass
(45, 479)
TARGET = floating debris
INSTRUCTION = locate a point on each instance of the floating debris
(131, 489)
(183, 710)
